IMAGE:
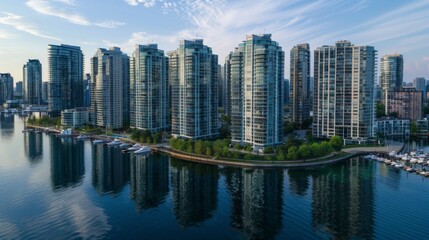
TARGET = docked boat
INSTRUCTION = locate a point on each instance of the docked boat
(66, 133)
(125, 145)
(144, 149)
(392, 154)
(410, 169)
(380, 159)
(423, 173)
(82, 137)
(387, 161)
(98, 141)
(420, 161)
(369, 157)
(135, 147)
(115, 142)
(414, 160)
(399, 165)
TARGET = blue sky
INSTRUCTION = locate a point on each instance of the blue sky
(392, 26)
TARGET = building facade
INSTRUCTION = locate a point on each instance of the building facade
(344, 95)
(257, 74)
(110, 75)
(32, 82)
(300, 83)
(87, 90)
(75, 117)
(420, 85)
(406, 102)
(6, 87)
(149, 88)
(193, 82)
(45, 92)
(391, 74)
(65, 73)
(18, 89)
(391, 127)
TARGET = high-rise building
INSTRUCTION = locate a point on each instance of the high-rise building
(65, 73)
(226, 101)
(286, 93)
(87, 90)
(300, 83)
(110, 75)
(407, 102)
(391, 74)
(18, 89)
(6, 87)
(193, 80)
(344, 95)
(32, 82)
(420, 85)
(45, 92)
(257, 74)
(149, 88)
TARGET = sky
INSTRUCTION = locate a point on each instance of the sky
(391, 26)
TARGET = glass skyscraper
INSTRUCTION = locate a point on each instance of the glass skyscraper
(110, 76)
(149, 88)
(32, 82)
(344, 91)
(391, 74)
(257, 74)
(65, 73)
(193, 80)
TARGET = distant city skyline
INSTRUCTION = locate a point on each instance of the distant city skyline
(28, 27)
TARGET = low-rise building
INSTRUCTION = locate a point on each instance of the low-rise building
(391, 126)
(423, 127)
(75, 117)
(407, 102)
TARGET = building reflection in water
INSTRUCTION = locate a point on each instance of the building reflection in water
(67, 162)
(299, 180)
(110, 169)
(343, 199)
(256, 201)
(194, 191)
(149, 180)
(7, 125)
(33, 146)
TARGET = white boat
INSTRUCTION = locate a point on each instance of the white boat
(380, 159)
(82, 137)
(115, 142)
(144, 149)
(370, 156)
(66, 133)
(387, 161)
(399, 165)
(392, 154)
(423, 173)
(125, 145)
(410, 169)
(420, 161)
(135, 147)
(414, 160)
(98, 141)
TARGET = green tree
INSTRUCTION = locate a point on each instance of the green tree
(316, 150)
(326, 148)
(281, 156)
(268, 150)
(380, 110)
(336, 143)
(413, 128)
(292, 153)
(304, 151)
(199, 147)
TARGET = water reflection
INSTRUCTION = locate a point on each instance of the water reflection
(343, 199)
(110, 169)
(33, 146)
(299, 180)
(149, 180)
(194, 191)
(67, 162)
(7, 125)
(256, 201)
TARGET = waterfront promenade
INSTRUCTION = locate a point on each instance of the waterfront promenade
(329, 159)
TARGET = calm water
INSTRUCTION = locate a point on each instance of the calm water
(53, 188)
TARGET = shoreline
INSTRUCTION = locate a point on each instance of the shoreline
(325, 160)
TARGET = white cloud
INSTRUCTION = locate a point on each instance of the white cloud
(146, 3)
(19, 24)
(46, 7)
(6, 34)
(66, 10)
(109, 24)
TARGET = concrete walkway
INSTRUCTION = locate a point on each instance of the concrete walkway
(390, 146)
